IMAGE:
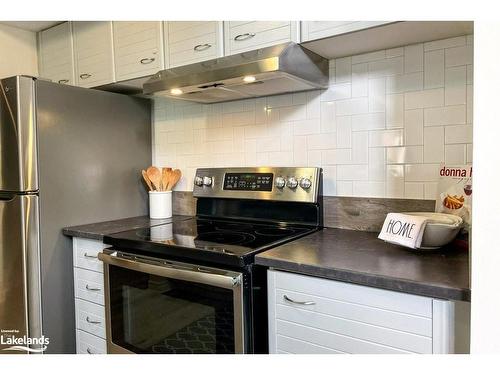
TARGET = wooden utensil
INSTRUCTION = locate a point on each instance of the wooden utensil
(154, 176)
(165, 176)
(175, 176)
(146, 180)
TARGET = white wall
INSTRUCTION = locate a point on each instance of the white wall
(17, 52)
(485, 283)
(381, 129)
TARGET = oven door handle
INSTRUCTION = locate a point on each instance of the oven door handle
(202, 275)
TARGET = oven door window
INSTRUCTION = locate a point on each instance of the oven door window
(154, 314)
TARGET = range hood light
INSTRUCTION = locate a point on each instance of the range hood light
(249, 79)
(176, 91)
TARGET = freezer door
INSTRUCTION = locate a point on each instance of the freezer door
(18, 143)
(20, 308)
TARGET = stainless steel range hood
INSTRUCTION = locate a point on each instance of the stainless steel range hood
(279, 69)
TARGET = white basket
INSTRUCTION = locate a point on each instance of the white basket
(160, 204)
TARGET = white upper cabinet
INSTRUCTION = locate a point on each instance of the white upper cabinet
(138, 49)
(312, 30)
(56, 54)
(188, 42)
(241, 36)
(93, 44)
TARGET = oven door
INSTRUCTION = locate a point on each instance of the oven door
(158, 306)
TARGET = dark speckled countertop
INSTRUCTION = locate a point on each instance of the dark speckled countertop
(361, 258)
(97, 231)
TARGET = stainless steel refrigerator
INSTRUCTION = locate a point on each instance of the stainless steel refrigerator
(68, 156)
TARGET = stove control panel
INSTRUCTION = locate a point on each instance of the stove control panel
(264, 183)
(248, 181)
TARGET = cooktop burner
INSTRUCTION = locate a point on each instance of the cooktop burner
(194, 237)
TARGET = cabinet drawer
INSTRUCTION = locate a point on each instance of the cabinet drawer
(190, 42)
(312, 30)
(138, 48)
(93, 53)
(56, 54)
(90, 317)
(89, 344)
(85, 254)
(89, 285)
(351, 293)
(245, 36)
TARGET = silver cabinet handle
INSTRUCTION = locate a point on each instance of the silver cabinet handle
(86, 255)
(92, 321)
(202, 47)
(245, 36)
(147, 60)
(63, 81)
(89, 351)
(92, 289)
(85, 75)
(307, 303)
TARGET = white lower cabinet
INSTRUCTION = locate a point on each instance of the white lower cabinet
(90, 317)
(314, 315)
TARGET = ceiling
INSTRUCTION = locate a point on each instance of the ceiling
(31, 25)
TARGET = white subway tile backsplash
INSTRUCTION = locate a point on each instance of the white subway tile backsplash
(455, 85)
(444, 43)
(405, 82)
(352, 172)
(368, 121)
(458, 134)
(433, 144)
(351, 106)
(381, 138)
(387, 67)
(414, 127)
(343, 70)
(424, 99)
(359, 86)
(434, 69)
(444, 115)
(414, 58)
(387, 121)
(456, 56)
(455, 154)
(394, 111)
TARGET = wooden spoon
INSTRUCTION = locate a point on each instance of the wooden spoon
(165, 176)
(175, 176)
(146, 180)
(154, 176)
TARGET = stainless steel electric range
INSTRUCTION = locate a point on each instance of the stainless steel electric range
(191, 286)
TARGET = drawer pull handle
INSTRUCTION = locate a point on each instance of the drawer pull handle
(245, 36)
(147, 60)
(63, 81)
(86, 255)
(202, 47)
(92, 321)
(92, 289)
(90, 351)
(307, 303)
(85, 75)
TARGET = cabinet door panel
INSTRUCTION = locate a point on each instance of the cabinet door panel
(312, 30)
(93, 53)
(138, 49)
(56, 54)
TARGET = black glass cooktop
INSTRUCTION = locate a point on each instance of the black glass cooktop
(220, 241)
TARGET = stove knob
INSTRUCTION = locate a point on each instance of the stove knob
(292, 183)
(198, 181)
(207, 181)
(305, 183)
(280, 182)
